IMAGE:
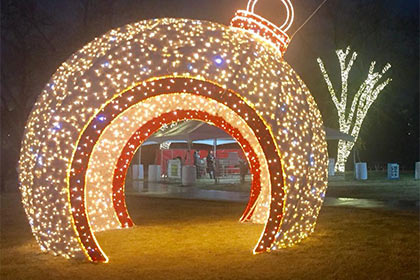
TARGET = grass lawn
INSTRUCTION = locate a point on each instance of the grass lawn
(187, 239)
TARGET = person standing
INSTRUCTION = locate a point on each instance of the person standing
(210, 165)
(197, 161)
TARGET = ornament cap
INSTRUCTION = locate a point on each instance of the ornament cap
(270, 32)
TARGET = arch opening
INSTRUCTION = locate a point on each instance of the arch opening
(157, 89)
(253, 154)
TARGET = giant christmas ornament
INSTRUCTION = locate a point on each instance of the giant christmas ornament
(110, 96)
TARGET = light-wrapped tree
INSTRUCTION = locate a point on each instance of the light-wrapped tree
(351, 116)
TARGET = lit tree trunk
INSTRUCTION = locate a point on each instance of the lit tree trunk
(351, 116)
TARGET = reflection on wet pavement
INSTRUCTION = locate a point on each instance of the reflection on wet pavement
(354, 202)
(177, 191)
(409, 205)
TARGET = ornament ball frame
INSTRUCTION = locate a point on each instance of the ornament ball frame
(110, 96)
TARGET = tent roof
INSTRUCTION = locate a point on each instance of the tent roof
(203, 133)
(333, 134)
(190, 131)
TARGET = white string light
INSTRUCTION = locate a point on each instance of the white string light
(350, 118)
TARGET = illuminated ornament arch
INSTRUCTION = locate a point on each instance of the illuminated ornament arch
(110, 96)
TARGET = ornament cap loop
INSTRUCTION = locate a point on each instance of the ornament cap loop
(271, 33)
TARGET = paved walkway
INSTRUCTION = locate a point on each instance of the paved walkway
(176, 191)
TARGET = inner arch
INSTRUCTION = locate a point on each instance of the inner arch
(113, 153)
(257, 163)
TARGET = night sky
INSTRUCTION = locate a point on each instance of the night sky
(37, 36)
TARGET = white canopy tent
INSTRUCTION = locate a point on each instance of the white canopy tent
(202, 133)
(191, 134)
(333, 134)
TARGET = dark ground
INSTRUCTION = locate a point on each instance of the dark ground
(187, 239)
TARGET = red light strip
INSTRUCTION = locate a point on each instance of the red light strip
(139, 137)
